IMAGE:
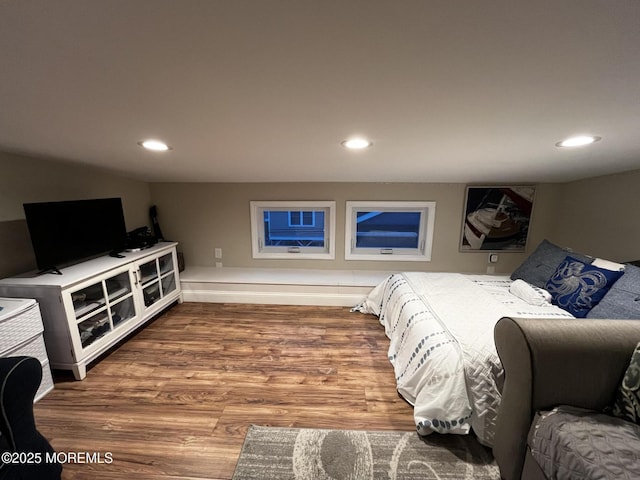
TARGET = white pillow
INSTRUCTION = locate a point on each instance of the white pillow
(608, 265)
(529, 293)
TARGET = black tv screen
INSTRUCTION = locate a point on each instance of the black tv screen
(63, 233)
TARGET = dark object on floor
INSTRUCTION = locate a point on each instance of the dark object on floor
(30, 454)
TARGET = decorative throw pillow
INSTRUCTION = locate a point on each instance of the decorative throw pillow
(627, 402)
(543, 261)
(608, 264)
(529, 293)
(623, 300)
(577, 287)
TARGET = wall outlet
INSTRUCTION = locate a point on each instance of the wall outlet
(218, 252)
(218, 264)
(491, 269)
(493, 258)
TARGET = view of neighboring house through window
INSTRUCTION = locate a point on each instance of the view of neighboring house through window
(293, 229)
(300, 218)
(389, 230)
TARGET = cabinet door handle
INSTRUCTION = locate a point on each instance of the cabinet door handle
(135, 277)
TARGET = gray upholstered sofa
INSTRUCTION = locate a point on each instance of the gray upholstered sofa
(559, 362)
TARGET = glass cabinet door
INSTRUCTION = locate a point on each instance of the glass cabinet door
(123, 311)
(89, 307)
(150, 282)
(148, 272)
(88, 299)
(168, 284)
(165, 263)
(167, 275)
(102, 306)
(157, 278)
(151, 294)
(93, 328)
(120, 297)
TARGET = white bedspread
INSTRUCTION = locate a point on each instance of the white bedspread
(440, 327)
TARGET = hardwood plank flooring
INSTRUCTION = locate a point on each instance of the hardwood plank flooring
(176, 399)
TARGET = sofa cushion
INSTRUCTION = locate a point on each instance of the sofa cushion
(579, 444)
(627, 402)
(543, 261)
(577, 287)
(623, 299)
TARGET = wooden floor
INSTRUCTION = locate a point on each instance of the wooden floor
(175, 400)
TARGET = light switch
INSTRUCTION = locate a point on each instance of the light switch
(493, 258)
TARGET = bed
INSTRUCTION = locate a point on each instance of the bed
(440, 327)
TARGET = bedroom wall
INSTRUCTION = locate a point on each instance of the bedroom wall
(594, 216)
(203, 216)
(26, 179)
(598, 216)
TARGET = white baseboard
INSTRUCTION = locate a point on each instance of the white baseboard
(278, 286)
(274, 298)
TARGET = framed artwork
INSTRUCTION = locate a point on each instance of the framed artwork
(496, 218)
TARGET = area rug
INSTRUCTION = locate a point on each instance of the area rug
(310, 454)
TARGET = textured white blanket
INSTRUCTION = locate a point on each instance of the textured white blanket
(440, 327)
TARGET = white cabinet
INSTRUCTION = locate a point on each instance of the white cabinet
(95, 304)
(21, 335)
(157, 279)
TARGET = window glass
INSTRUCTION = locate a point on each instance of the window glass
(400, 231)
(293, 229)
(387, 229)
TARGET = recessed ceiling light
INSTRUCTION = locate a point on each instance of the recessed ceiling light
(155, 145)
(356, 143)
(578, 141)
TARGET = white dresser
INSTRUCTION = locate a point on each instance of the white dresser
(21, 335)
(93, 305)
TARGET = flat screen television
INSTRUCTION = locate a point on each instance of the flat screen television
(64, 233)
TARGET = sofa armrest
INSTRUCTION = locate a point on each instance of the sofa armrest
(550, 362)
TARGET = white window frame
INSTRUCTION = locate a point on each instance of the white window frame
(427, 212)
(259, 250)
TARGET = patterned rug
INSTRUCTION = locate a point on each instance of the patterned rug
(309, 454)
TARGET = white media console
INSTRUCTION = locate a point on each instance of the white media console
(96, 303)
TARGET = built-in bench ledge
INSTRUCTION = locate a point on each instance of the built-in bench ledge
(283, 286)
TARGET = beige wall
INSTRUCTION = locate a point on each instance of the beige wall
(203, 216)
(599, 216)
(594, 216)
(25, 179)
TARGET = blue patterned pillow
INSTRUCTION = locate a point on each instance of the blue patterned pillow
(577, 287)
(543, 261)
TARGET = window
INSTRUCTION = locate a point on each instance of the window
(398, 231)
(301, 218)
(293, 229)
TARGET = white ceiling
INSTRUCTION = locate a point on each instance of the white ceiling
(265, 90)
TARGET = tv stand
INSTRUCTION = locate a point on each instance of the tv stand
(54, 270)
(99, 302)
